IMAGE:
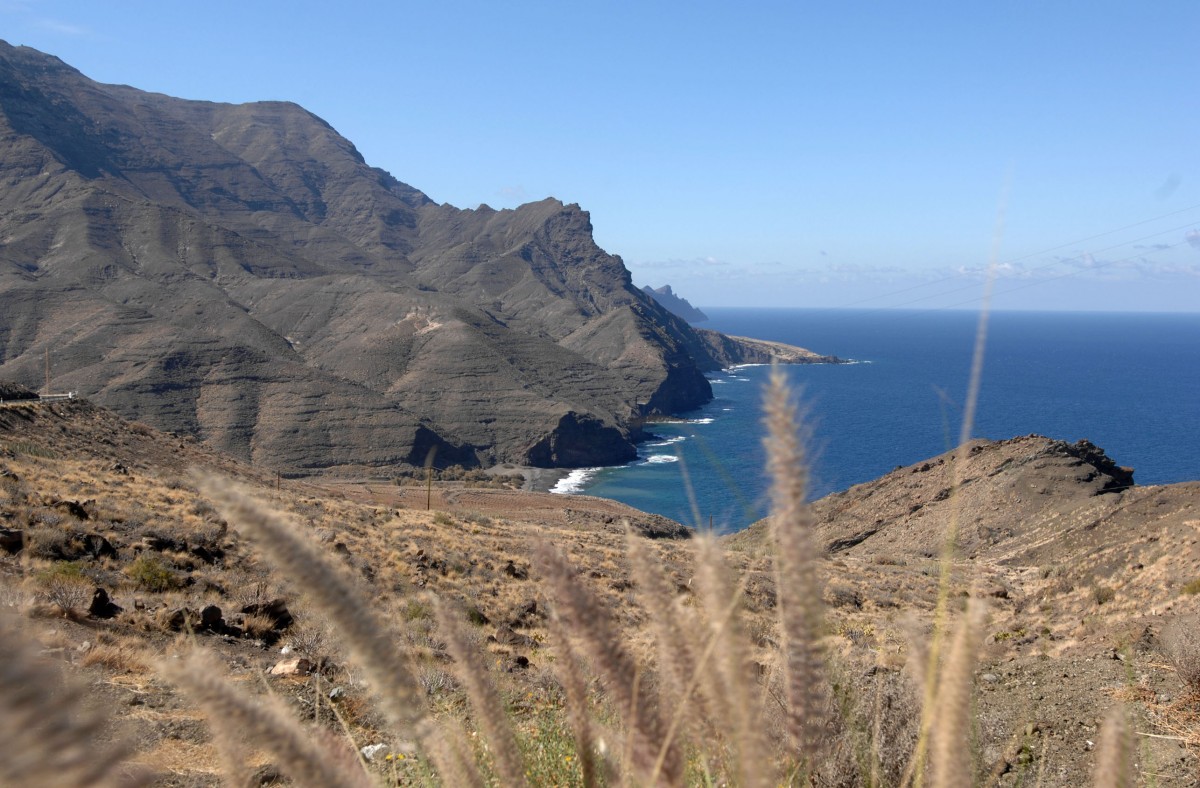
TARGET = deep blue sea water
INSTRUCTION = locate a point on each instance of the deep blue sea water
(1128, 382)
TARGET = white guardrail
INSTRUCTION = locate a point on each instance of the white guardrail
(41, 398)
(56, 397)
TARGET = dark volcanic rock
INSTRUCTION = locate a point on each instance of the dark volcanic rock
(276, 610)
(211, 619)
(102, 605)
(12, 391)
(98, 546)
(581, 441)
(12, 541)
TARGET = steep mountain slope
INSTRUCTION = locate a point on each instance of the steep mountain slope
(240, 274)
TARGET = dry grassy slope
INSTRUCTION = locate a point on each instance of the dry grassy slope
(1045, 551)
(1080, 573)
(134, 487)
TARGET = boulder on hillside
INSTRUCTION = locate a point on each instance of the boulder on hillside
(14, 391)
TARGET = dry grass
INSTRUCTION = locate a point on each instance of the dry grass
(648, 662)
(119, 654)
(50, 737)
(1181, 644)
(703, 673)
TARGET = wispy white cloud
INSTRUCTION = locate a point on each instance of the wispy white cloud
(29, 12)
(715, 278)
(62, 28)
(512, 193)
(678, 263)
(1086, 266)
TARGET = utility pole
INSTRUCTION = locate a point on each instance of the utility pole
(428, 485)
(429, 476)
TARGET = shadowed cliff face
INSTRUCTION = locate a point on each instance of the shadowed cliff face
(240, 274)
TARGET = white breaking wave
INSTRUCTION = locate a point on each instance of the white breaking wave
(705, 420)
(666, 442)
(656, 459)
(574, 481)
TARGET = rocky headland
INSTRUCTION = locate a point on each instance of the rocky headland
(675, 303)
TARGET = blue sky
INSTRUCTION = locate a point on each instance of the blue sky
(787, 154)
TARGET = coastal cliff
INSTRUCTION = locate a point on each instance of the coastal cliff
(239, 274)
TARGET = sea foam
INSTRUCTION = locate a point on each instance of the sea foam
(574, 481)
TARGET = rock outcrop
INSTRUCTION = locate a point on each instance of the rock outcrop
(238, 273)
(676, 304)
(1000, 496)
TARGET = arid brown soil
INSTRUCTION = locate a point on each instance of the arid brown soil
(1080, 573)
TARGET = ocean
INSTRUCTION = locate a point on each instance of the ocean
(1128, 382)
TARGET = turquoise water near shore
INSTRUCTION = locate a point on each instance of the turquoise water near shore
(1129, 382)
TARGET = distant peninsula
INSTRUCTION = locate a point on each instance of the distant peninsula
(666, 297)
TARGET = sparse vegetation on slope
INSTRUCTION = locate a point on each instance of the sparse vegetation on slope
(723, 661)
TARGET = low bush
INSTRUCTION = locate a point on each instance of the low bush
(1103, 594)
(1181, 646)
(151, 574)
(64, 585)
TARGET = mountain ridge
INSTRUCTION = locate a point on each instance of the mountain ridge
(676, 303)
(241, 274)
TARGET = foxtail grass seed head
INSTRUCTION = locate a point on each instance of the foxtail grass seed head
(1116, 752)
(731, 679)
(951, 747)
(588, 620)
(344, 605)
(489, 708)
(264, 720)
(570, 672)
(51, 735)
(798, 585)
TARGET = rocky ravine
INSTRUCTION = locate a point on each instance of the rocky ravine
(240, 274)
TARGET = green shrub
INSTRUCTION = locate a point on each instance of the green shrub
(151, 574)
(1103, 594)
(1192, 587)
(64, 584)
(415, 610)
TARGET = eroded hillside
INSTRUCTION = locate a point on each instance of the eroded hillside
(1081, 575)
(240, 274)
